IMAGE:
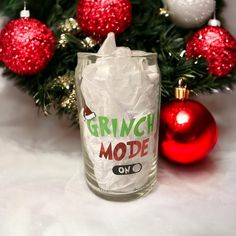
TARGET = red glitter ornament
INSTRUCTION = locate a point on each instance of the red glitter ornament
(0, 48)
(217, 46)
(188, 131)
(26, 46)
(97, 18)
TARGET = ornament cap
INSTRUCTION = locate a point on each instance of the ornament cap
(181, 92)
(25, 13)
(214, 22)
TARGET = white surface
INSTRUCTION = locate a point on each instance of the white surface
(43, 192)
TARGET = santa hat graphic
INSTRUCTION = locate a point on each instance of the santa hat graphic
(88, 114)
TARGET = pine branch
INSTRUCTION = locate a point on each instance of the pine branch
(149, 31)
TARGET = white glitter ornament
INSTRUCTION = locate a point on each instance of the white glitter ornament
(190, 13)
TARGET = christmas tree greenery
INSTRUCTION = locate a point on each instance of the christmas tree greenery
(149, 31)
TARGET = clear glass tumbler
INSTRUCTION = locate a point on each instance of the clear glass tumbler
(118, 107)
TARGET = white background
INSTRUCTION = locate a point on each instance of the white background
(43, 191)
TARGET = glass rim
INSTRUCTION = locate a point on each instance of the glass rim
(135, 53)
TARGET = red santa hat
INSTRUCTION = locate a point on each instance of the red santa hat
(88, 114)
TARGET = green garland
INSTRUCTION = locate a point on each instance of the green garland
(150, 31)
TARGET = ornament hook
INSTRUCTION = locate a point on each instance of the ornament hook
(182, 83)
(214, 21)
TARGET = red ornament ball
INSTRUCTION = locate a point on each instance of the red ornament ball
(97, 18)
(26, 46)
(188, 131)
(0, 48)
(217, 46)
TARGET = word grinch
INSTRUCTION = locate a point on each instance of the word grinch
(103, 126)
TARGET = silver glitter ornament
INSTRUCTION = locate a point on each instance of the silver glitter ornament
(190, 13)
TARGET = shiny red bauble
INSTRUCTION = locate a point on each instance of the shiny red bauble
(97, 18)
(217, 46)
(26, 46)
(188, 131)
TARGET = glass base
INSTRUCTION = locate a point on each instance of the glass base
(123, 197)
(116, 195)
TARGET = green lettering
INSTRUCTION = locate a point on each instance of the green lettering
(125, 129)
(150, 122)
(114, 126)
(137, 132)
(103, 124)
(93, 128)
